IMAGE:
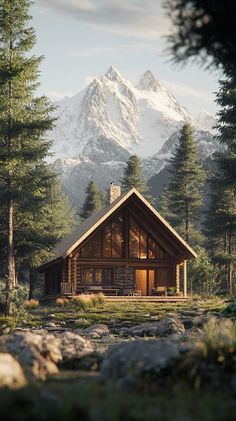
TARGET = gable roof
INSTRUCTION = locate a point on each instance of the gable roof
(72, 241)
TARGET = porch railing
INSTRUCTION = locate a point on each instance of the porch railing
(66, 288)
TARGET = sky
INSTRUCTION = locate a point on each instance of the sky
(80, 39)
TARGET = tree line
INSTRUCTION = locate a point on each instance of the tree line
(34, 213)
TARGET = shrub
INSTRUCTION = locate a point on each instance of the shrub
(62, 302)
(31, 304)
(203, 275)
(82, 301)
(230, 310)
(98, 299)
(220, 339)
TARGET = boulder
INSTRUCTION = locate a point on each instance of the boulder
(11, 373)
(97, 331)
(129, 362)
(164, 327)
(74, 346)
(38, 354)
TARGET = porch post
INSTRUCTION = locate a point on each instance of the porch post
(185, 278)
(177, 278)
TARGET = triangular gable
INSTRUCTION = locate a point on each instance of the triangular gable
(87, 227)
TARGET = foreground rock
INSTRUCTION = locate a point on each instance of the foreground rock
(38, 354)
(11, 373)
(73, 346)
(129, 362)
(163, 327)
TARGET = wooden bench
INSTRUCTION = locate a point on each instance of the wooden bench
(95, 289)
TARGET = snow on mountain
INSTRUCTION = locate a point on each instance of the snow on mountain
(207, 146)
(206, 121)
(98, 129)
(139, 119)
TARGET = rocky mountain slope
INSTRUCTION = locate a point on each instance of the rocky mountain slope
(139, 119)
(100, 127)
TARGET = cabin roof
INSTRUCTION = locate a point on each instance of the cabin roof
(72, 241)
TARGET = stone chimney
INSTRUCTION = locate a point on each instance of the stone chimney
(114, 192)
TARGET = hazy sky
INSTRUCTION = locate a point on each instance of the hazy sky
(80, 39)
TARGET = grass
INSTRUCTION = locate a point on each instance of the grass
(97, 310)
(87, 399)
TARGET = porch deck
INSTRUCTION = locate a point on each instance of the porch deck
(147, 298)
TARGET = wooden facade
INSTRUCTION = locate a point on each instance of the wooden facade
(125, 249)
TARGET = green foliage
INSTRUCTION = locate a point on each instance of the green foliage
(93, 201)
(33, 211)
(203, 29)
(183, 197)
(220, 340)
(202, 274)
(221, 215)
(229, 310)
(133, 176)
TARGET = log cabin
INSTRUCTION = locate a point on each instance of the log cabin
(125, 249)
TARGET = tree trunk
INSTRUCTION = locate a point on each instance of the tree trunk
(10, 279)
(230, 268)
(187, 224)
(31, 283)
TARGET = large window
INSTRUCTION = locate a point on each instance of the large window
(107, 243)
(141, 244)
(97, 276)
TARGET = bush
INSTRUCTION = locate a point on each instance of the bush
(62, 302)
(98, 299)
(220, 339)
(203, 275)
(82, 301)
(31, 304)
(230, 310)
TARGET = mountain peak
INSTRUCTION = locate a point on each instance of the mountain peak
(149, 82)
(113, 74)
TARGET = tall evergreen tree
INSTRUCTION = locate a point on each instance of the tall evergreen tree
(221, 216)
(24, 120)
(93, 200)
(184, 194)
(133, 176)
(226, 99)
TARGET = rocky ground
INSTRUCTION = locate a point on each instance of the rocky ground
(167, 348)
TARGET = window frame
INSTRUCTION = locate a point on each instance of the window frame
(94, 269)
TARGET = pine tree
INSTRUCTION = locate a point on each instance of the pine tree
(185, 190)
(93, 200)
(24, 120)
(226, 99)
(221, 229)
(133, 176)
(37, 233)
(221, 216)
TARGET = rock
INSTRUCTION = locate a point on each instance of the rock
(198, 321)
(163, 327)
(127, 363)
(11, 373)
(187, 322)
(38, 354)
(97, 331)
(191, 335)
(74, 346)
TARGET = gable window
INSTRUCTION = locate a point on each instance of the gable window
(98, 276)
(108, 242)
(141, 244)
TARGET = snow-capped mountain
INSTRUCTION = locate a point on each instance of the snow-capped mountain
(206, 121)
(139, 119)
(98, 129)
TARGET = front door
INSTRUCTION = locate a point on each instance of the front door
(145, 280)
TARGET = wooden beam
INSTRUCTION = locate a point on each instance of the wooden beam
(185, 278)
